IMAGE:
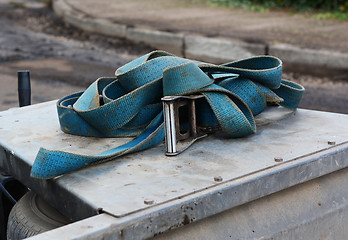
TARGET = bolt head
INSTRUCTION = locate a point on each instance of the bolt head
(149, 201)
(218, 179)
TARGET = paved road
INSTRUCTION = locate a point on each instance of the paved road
(41, 91)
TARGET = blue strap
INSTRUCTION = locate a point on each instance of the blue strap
(131, 107)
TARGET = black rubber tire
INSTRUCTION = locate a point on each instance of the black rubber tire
(31, 215)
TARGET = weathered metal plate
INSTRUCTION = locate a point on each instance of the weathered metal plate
(317, 209)
(120, 187)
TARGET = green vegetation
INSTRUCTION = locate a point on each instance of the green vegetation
(48, 3)
(322, 9)
(17, 4)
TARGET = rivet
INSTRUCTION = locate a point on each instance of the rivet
(218, 179)
(331, 142)
(278, 159)
(149, 201)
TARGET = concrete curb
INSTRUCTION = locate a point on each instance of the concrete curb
(171, 42)
(219, 50)
(215, 50)
(320, 58)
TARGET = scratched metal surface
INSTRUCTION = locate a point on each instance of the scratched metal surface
(120, 187)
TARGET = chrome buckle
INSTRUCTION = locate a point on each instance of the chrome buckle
(171, 105)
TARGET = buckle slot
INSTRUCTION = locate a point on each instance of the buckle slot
(171, 106)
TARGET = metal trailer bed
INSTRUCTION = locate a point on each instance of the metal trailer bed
(288, 181)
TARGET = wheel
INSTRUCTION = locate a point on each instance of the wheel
(31, 215)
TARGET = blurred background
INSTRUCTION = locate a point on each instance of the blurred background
(68, 44)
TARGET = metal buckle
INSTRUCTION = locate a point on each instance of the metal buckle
(171, 105)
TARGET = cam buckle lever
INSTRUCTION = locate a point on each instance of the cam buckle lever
(172, 118)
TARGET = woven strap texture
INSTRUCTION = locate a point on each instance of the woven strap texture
(131, 104)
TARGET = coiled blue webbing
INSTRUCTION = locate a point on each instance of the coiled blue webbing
(234, 92)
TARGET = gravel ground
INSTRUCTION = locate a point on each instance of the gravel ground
(31, 37)
(193, 16)
(61, 59)
(322, 93)
(34, 32)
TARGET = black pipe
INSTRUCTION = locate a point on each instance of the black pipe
(24, 91)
